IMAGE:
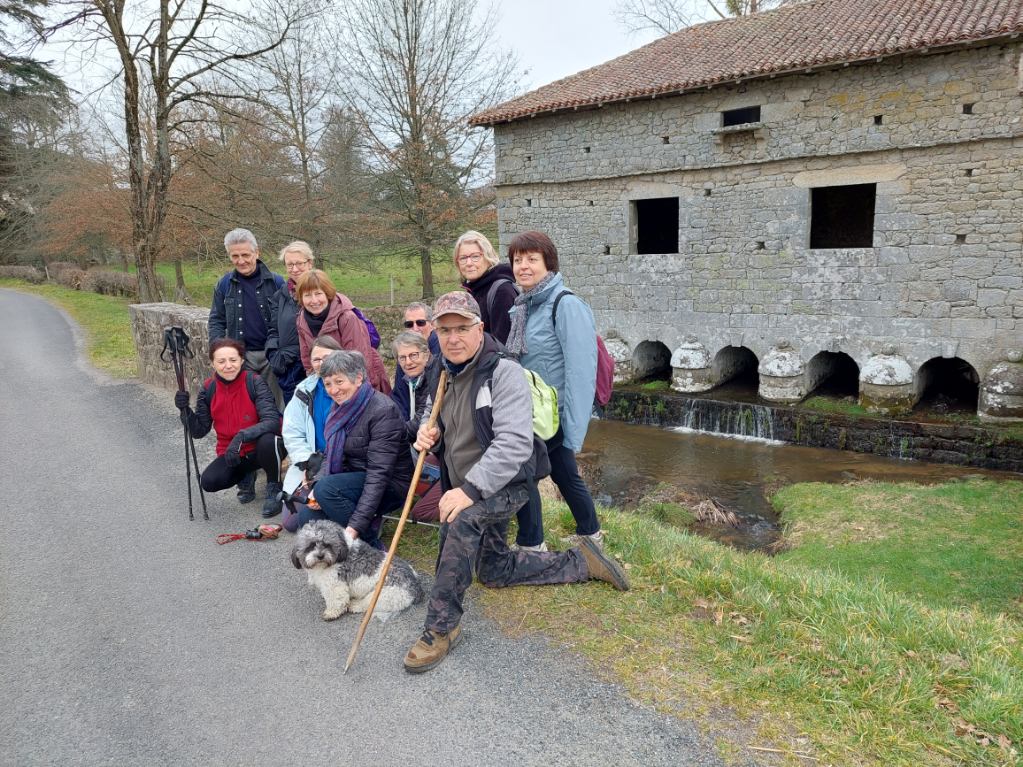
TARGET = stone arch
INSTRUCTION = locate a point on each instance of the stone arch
(651, 360)
(833, 373)
(738, 364)
(948, 383)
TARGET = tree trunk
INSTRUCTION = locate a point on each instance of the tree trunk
(180, 292)
(426, 264)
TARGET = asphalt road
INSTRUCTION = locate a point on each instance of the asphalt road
(127, 636)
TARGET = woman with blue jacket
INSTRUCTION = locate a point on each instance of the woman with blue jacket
(562, 348)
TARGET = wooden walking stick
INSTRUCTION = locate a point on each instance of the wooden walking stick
(434, 412)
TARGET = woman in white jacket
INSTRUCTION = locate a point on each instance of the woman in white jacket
(304, 419)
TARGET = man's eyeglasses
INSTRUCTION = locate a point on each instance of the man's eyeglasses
(458, 330)
(412, 357)
(416, 323)
(470, 258)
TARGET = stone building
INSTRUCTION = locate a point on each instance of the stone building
(830, 189)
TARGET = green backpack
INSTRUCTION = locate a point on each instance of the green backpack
(545, 406)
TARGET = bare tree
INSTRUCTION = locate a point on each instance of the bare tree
(168, 57)
(416, 70)
(668, 16)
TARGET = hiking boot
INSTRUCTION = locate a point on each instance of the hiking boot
(600, 565)
(431, 648)
(272, 504)
(247, 488)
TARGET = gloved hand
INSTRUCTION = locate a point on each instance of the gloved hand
(181, 400)
(233, 457)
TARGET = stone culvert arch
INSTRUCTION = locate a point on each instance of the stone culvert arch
(651, 360)
(948, 383)
(834, 373)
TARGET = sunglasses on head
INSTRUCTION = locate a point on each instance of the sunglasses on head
(417, 323)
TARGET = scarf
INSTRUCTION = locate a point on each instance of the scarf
(315, 321)
(516, 343)
(340, 421)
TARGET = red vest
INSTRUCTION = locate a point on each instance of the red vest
(232, 410)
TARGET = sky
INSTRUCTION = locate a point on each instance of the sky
(557, 38)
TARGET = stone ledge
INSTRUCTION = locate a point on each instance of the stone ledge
(148, 322)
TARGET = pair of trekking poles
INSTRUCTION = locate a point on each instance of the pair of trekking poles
(175, 343)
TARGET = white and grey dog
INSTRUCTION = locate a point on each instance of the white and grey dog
(346, 572)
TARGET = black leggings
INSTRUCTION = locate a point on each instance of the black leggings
(267, 456)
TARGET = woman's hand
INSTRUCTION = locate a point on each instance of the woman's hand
(352, 532)
(426, 438)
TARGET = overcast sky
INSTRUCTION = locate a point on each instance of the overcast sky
(557, 38)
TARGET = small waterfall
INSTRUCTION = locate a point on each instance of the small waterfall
(742, 420)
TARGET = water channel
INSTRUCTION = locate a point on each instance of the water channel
(623, 462)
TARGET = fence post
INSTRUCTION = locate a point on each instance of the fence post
(392, 289)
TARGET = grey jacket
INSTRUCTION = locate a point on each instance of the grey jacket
(501, 420)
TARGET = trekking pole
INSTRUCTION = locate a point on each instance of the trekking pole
(175, 340)
(434, 412)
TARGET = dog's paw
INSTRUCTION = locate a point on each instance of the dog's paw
(333, 615)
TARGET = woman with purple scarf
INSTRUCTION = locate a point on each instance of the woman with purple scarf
(367, 464)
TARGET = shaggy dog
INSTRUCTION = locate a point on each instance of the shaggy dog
(346, 572)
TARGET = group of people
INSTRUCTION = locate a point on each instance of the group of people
(302, 344)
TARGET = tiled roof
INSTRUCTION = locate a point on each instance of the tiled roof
(791, 38)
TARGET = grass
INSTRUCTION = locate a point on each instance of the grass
(366, 281)
(103, 319)
(797, 657)
(832, 405)
(951, 545)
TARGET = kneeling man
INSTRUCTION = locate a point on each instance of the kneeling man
(488, 459)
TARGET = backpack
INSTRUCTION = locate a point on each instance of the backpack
(374, 335)
(605, 362)
(211, 387)
(545, 406)
(492, 294)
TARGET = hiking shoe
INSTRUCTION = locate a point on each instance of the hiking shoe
(272, 504)
(597, 537)
(430, 649)
(542, 546)
(600, 565)
(247, 488)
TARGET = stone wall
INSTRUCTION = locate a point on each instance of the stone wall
(148, 323)
(944, 275)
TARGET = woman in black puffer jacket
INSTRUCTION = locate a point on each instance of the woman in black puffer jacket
(490, 281)
(367, 464)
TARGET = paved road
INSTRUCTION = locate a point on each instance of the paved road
(128, 637)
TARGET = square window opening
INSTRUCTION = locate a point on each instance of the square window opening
(731, 117)
(842, 216)
(656, 225)
(878, 119)
(967, 109)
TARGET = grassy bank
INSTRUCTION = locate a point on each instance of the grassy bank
(805, 658)
(103, 319)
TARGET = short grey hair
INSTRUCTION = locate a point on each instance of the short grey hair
(408, 338)
(298, 246)
(350, 364)
(427, 309)
(239, 236)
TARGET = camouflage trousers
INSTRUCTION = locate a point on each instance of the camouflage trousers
(476, 541)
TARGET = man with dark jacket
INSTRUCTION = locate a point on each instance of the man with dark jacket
(242, 303)
(489, 458)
